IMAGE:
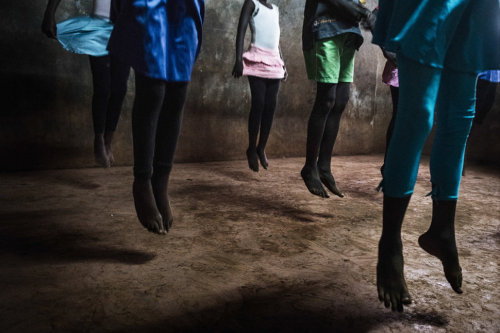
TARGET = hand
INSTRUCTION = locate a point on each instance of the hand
(238, 69)
(349, 11)
(368, 22)
(391, 56)
(49, 27)
(285, 77)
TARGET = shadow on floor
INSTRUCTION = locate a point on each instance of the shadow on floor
(44, 236)
(288, 309)
(236, 195)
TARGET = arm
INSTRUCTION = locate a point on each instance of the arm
(285, 77)
(246, 12)
(390, 56)
(49, 20)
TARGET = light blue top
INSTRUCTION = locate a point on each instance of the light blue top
(492, 76)
(85, 35)
(460, 34)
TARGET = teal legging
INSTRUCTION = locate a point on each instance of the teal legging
(423, 90)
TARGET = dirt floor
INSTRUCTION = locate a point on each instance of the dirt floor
(248, 252)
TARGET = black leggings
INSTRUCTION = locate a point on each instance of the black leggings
(264, 97)
(485, 96)
(156, 123)
(109, 79)
(323, 126)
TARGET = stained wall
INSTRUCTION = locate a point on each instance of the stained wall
(45, 118)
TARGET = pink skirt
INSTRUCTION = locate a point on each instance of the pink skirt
(390, 74)
(263, 63)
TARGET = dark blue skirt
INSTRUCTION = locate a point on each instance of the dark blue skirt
(160, 39)
(460, 34)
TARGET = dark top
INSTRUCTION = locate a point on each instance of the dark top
(320, 22)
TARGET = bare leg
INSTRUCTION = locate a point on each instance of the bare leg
(391, 284)
(100, 154)
(439, 241)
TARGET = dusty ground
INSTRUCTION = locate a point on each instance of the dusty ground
(248, 252)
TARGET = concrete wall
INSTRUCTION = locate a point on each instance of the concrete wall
(45, 118)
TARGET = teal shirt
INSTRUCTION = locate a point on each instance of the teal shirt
(463, 35)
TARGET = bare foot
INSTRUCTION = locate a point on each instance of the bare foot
(311, 179)
(108, 138)
(327, 179)
(445, 249)
(391, 284)
(252, 158)
(145, 206)
(262, 157)
(160, 190)
(100, 155)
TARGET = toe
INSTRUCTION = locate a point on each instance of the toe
(380, 291)
(405, 299)
(387, 300)
(394, 303)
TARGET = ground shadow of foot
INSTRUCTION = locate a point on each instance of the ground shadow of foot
(42, 237)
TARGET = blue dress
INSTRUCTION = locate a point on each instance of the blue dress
(436, 32)
(160, 39)
(85, 35)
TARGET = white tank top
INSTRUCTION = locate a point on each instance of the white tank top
(265, 26)
(102, 8)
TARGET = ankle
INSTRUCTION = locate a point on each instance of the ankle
(390, 243)
(324, 168)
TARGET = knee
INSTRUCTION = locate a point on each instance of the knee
(119, 91)
(322, 106)
(340, 103)
(101, 90)
(258, 104)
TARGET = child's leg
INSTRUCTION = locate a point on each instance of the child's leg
(418, 90)
(329, 137)
(455, 113)
(390, 128)
(272, 88)
(101, 87)
(258, 91)
(325, 100)
(167, 134)
(391, 284)
(118, 89)
(148, 101)
(485, 95)
(454, 119)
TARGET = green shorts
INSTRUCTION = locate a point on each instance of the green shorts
(331, 60)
